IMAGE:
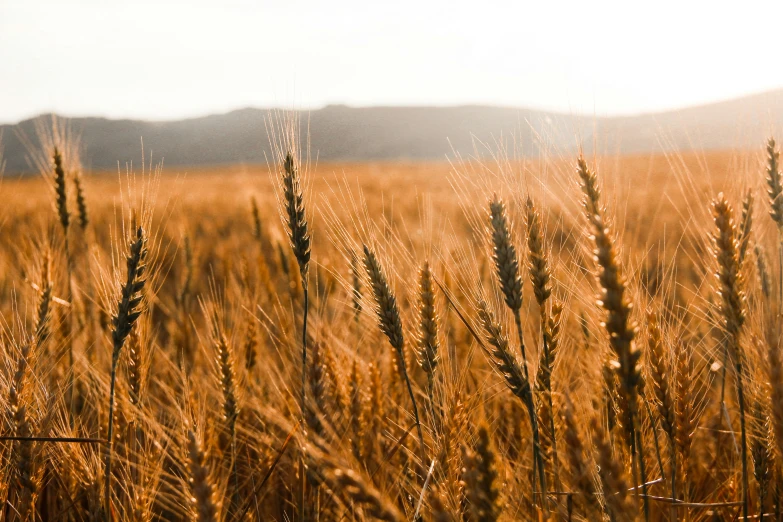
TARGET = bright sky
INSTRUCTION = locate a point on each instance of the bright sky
(165, 59)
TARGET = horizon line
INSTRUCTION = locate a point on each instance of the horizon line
(555, 112)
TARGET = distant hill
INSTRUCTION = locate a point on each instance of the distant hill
(390, 133)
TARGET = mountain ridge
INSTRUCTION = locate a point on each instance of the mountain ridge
(343, 133)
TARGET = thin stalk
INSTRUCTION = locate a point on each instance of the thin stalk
(235, 471)
(304, 350)
(642, 470)
(304, 378)
(69, 340)
(128, 311)
(61, 204)
(415, 408)
(110, 436)
(655, 438)
(518, 321)
(743, 438)
(390, 323)
(538, 461)
(674, 477)
(780, 272)
(634, 466)
(723, 407)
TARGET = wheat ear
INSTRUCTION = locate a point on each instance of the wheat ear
(538, 267)
(745, 226)
(763, 271)
(761, 451)
(727, 245)
(614, 480)
(662, 389)
(504, 361)
(43, 316)
(129, 309)
(775, 373)
(775, 193)
(23, 452)
(618, 324)
(81, 202)
(685, 414)
(774, 183)
(61, 205)
(504, 255)
(203, 498)
(390, 323)
(299, 237)
(429, 344)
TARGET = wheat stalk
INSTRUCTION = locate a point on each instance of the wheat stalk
(732, 309)
(614, 480)
(538, 265)
(299, 238)
(390, 323)
(662, 389)
(760, 450)
(428, 342)
(517, 381)
(129, 309)
(619, 324)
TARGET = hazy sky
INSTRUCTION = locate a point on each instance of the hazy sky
(166, 59)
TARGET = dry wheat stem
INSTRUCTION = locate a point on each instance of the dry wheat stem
(299, 237)
(390, 323)
(512, 371)
(129, 309)
(614, 299)
(429, 344)
(727, 249)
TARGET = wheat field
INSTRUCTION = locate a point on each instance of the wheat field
(480, 339)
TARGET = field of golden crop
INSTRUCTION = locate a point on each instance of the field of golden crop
(486, 339)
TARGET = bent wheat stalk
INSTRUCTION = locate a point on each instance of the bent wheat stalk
(517, 381)
(390, 323)
(504, 255)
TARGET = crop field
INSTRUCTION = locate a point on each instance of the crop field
(478, 339)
